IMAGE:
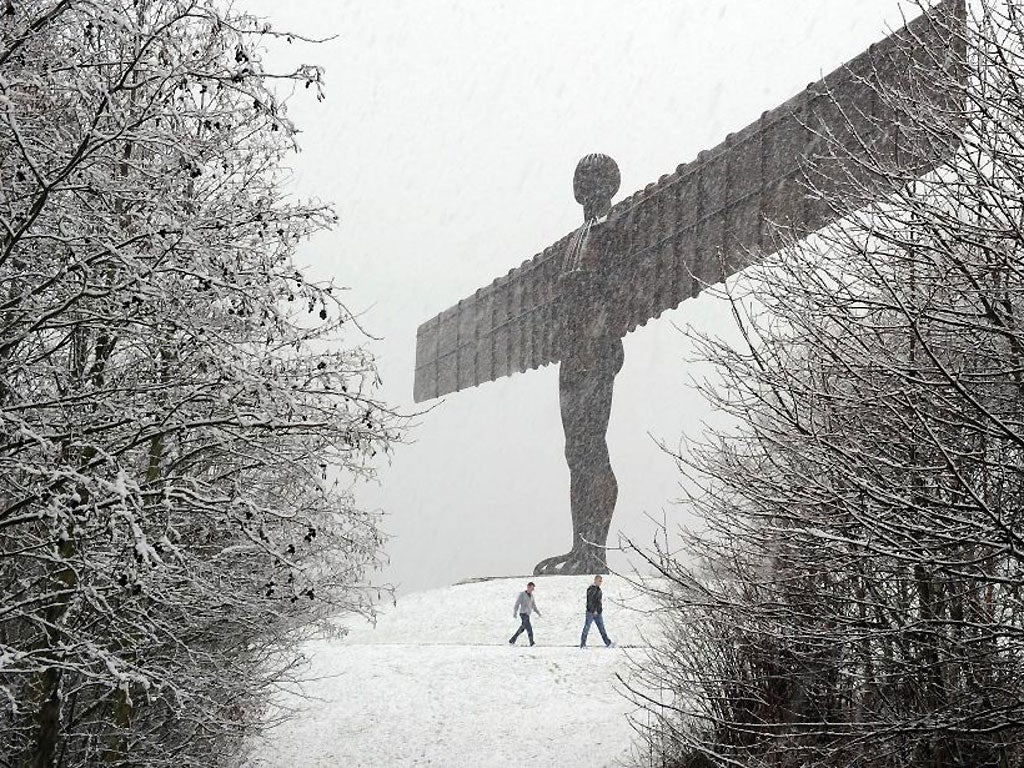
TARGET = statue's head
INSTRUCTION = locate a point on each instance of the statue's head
(594, 184)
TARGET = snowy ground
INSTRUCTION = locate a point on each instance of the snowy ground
(435, 683)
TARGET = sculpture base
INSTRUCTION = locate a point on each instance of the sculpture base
(482, 579)
(574, 563)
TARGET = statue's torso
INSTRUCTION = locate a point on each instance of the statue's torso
(589, 314)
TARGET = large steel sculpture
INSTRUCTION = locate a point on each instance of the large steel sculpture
(779, 177)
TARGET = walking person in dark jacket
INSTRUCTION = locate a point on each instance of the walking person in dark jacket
(594, 614)
(524, 606)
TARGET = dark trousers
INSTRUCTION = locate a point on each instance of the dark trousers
(524, 626)
(594, 618)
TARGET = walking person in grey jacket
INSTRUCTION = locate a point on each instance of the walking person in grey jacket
(524, 606)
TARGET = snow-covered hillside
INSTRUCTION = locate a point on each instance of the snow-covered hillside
(435, 683)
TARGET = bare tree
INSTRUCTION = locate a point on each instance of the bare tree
(855, 597)
(182, 411)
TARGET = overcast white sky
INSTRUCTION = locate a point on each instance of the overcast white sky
(447, 143)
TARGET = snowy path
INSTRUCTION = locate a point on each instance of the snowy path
(463, 697)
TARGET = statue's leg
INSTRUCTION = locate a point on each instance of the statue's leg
(585, 399)
(571, 381)
(593, 488)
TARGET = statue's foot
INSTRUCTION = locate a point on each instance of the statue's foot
(577, 562)
(555, 566)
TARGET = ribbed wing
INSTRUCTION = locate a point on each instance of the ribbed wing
(719, 213)
(799, 167)
(506, 327)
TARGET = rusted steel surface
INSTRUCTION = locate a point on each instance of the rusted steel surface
(794, 170)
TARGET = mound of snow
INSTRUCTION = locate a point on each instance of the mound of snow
(480, 613)
(435, 683)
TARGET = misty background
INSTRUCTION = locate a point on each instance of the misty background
(447, 144)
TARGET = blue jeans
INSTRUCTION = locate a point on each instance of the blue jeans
(525, 617)
(594, 618)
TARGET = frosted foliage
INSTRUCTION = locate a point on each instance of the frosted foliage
(857, 600)
(182, 412)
